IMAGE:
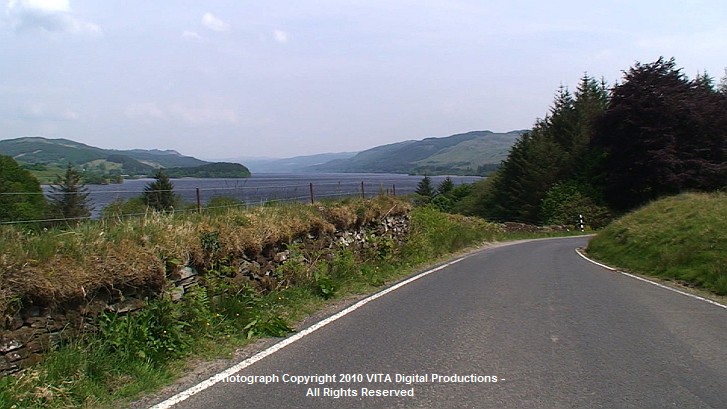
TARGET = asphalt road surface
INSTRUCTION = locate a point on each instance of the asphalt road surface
(529, 325)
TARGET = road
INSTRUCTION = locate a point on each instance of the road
(555, 330)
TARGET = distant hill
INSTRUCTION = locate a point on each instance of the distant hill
(293, 165)
(471, 153)
(48, 157)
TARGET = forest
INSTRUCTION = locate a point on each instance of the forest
(601, 152)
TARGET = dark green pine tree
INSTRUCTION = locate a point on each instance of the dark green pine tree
(68, 197)
(518, 187)
(159, 194)
(424, 189)
(446, 187)
(661, 134)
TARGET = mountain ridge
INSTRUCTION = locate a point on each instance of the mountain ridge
(47, 157)
(474, 152)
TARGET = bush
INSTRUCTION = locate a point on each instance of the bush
(564, 203)
(23, 198)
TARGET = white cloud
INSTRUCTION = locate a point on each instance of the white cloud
(145, 111)
(198, 116)
(191, 35)
(213, 23)
(45, 112)
(178, 112)
(47, 15)
(280, 36)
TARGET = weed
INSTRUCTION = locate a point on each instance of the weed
(272, 326)
(325, 286)
(155, 333)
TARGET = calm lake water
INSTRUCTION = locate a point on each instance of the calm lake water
(261, 188)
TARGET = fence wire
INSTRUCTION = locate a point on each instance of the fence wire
(195, 199)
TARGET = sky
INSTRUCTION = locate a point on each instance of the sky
(268, 78)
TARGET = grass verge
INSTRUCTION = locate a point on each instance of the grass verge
(681, 238)
(136, 354)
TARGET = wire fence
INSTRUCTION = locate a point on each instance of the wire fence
(198, 199)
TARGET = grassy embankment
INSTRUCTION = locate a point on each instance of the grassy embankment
(130, 355)
(681, 238)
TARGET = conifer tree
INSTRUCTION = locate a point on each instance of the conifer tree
(661, 134)
(159, 194)
(424, 189)
(68, 197)
(446, 186)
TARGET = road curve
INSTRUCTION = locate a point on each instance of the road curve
(555, 330)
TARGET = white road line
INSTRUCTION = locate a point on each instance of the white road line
(652, 282)
(282, 344)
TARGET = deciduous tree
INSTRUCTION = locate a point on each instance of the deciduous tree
(21, 197)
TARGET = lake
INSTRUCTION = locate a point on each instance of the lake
(261, 188)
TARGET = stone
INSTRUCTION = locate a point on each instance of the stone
(132, 304)
(17, 355)
(57, 323)
(7, 367)
(37, 322)
(281, 256)
(10, 346)
(40, 344)
(186, 272)
(187, 281)
(176, 293)
(29, 361)
(94, 308)
(13, 322)
(22, 335)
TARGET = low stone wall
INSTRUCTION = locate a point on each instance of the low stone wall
(34, 329)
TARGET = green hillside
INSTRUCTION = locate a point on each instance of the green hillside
(50, 151)
(46, 158)
(456, 154)
(61, 151)
(681, 238)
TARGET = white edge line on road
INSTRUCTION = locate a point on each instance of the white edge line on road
(652, 282)
(287, 341)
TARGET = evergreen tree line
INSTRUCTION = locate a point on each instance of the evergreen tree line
(601, 152)
(67, 201)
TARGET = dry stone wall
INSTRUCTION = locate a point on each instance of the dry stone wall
(34, 329)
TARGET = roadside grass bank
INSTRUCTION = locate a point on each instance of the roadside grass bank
(138, 353)
(681, 238)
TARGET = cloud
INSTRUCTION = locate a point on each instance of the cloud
(44, 112)
(145, 111)
(191, 35)
(178, 112)
(198, 116)
(280, 36)
(47, 15)
(213, 23)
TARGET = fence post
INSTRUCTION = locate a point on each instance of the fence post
(199, 203)
(393, 188)
(311, 193)
(363, 193)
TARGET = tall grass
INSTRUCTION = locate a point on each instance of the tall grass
(682, 238)
(131, 354)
